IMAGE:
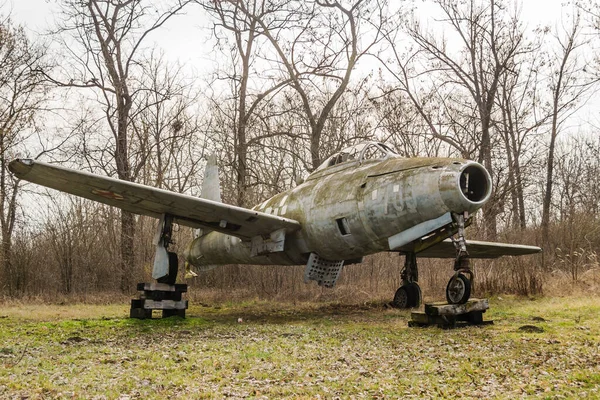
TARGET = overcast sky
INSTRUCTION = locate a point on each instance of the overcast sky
(186, 38)
(182, 38)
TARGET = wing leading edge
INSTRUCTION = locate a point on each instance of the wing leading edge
(146, 200)
(478, 249)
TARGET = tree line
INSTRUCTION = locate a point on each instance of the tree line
(295, 81)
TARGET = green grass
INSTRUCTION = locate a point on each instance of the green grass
(301, 351)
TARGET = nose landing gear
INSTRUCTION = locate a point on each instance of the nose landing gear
(459, 287)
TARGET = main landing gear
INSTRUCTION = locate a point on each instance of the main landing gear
(163, 294)
(409, 294)
(165, 262)
(458, 290)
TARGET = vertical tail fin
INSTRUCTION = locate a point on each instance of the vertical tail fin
(211, 190)
(211, 187)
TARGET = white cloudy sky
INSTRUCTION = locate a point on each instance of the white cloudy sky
(183, 37)
(186, 38)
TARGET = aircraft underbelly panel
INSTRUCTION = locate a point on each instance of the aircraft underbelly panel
(216, 248)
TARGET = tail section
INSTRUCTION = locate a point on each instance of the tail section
(211, 187)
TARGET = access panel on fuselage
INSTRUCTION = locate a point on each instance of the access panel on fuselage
(333, 226)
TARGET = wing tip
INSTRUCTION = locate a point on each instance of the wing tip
(20, 166)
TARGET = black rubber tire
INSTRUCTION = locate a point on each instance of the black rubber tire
(463, 281)
(415, 296)
(402, 297)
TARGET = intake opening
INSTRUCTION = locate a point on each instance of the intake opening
(474, 184)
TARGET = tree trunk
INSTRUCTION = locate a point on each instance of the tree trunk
(127, 262)
(241, 140)
(490, 209)
(127, 255)
(10, 280)
(549, 180)
(315, 147)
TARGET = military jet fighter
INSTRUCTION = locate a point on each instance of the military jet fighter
(363, 200)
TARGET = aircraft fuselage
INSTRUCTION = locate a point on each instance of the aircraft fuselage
(352, 209)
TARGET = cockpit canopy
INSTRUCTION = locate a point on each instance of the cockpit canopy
(360, 152)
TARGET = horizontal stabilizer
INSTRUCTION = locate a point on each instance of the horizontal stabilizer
(476, 249)
(146, 200)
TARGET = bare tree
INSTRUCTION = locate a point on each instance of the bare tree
(239, 35)
(406, 118)
(166, 145)
(317, 45)
(569, 84)
(577, 186)
(104, 44)
(413, 108)
(521, 115)
(488, 40)
(22, 97)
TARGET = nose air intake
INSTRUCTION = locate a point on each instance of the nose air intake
(465, 188)
(474, 183)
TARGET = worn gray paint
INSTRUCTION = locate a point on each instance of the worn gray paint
(380, 199)
(385, 202)
(145, 200)
(418, 231)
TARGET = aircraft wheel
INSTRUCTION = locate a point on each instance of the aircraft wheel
(458, 290)
(415, 296)
(402, 296)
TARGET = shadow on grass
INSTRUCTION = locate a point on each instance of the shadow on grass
(269, 313)
(208, 321)
(230, 316)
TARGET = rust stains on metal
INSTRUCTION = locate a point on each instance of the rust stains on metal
(108, 194)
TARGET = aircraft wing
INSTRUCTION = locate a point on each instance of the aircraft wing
(146, 200)
(478, 249)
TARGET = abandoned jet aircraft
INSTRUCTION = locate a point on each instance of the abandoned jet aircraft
(363, 200)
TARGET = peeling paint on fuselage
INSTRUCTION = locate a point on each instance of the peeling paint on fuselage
(377, 199)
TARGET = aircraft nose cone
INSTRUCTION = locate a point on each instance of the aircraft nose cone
(467, 187)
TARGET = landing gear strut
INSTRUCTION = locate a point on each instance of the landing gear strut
(165, 262)
(409, 294)
(163, 294)
(458, 289)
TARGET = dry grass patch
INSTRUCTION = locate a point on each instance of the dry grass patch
(300, 351)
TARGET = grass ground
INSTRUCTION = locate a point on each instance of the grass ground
(299, 351)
